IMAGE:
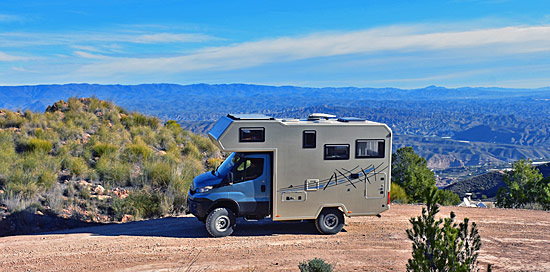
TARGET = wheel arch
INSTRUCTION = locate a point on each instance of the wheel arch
(225, 203)
(338, 206)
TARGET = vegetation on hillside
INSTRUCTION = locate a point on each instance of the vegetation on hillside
(411, 174)
(525, 188)
(93, 160)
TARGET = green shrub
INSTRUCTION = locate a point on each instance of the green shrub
(37, 145)
(192, 151)
(159, 174)
(138, 151)
(101, 149)
(114, 172)
(47, 178)
(437, 247)
(76, 166)
(398, 194)
(140, 204)
(315, 265)
(11, 119)
(448, 198)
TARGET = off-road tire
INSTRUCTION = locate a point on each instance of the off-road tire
(330, 221)
(220, 222)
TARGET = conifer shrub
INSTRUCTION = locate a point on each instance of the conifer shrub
(442, 244)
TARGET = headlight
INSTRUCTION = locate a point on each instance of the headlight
(204, 189)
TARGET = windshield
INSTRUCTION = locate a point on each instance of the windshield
(228, 164)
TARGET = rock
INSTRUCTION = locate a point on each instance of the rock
(98, 189)
(127, 218)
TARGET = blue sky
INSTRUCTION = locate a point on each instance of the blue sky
(405, 44)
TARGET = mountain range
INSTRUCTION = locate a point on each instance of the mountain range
(451, 127)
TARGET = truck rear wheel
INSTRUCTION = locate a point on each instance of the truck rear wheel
(220, 222)
(330, 221)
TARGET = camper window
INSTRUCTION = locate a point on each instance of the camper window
(308, 139)
(369, 148)
(337, 152)
(249, 169)
(251, 135)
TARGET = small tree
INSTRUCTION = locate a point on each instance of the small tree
(411, 172)
(524, 185)
(451, 247)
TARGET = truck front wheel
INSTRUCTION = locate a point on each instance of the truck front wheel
(330, 221)
(220, 222)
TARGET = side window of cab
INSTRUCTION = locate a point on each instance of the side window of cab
(248, 169)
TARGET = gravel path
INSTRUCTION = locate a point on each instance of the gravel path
(513, 240)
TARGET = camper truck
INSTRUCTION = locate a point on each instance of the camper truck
(322, 169)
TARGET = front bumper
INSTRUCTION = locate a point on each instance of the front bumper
(199, 207)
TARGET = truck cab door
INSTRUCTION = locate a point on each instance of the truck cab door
(252, 181)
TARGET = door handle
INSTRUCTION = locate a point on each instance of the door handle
(262, 188)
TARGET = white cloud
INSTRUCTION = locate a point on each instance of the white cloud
(398, 39)
(87, 55)
(8, 57)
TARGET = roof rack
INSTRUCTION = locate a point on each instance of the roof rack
(240, 116)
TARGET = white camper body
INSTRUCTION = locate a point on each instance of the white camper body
(315, 164)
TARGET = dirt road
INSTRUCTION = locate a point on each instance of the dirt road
(513, 240)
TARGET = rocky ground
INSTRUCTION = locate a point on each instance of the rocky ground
(513, 240)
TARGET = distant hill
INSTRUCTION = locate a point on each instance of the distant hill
(450, 127)
(485, 187)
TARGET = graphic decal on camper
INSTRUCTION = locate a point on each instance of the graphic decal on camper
(341, 177)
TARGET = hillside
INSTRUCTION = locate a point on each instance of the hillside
(93, 161)
(450, 127)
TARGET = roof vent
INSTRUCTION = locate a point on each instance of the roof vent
(319, 116)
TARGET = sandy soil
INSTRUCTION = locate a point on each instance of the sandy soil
(513, 240)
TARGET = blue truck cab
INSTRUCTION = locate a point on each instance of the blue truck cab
(242, 183)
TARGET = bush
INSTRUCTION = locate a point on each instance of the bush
(114, 172)
(448, 198)
(76, 166)
(398, 194)
(101, 149)
(315, 265)
(138, 151)
(142, 204)
(37, 145)
(159, 174)
(451, 247)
